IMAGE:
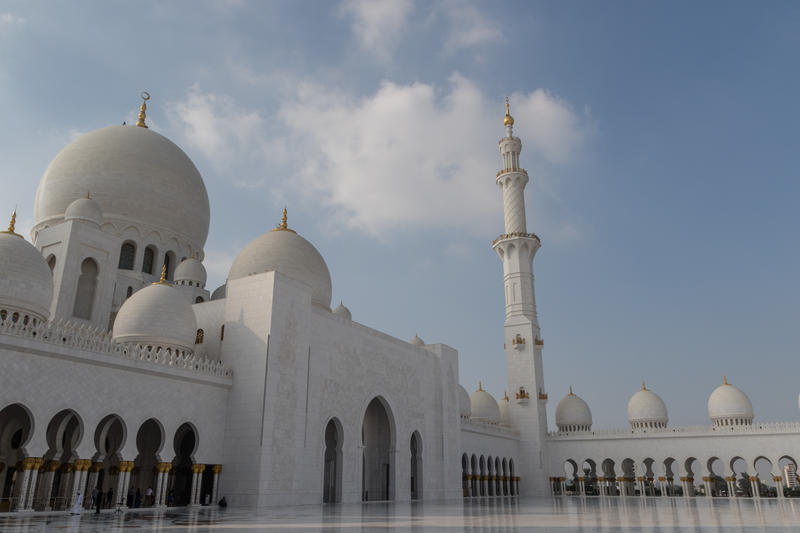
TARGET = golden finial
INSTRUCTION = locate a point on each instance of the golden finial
(88, 195)
(643, 387)
(725, 380)
(505, 395)
(570, 391)
(508, 120)
(143, 109)
(12, 225)
(163, 280)
(283, 226)
(480, 385)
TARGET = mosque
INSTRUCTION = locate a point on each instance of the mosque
(123, 371)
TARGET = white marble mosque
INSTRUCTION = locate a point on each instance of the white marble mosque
(122, 371)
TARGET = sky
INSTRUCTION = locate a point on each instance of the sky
(660, 139)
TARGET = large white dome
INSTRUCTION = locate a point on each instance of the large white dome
(284, 251)
(156, 315)
(84, 209)
(729, 406)
(573, 414)
(26, 282)
(464, 407)
(647, 410)
(137, 177)
(484, 406)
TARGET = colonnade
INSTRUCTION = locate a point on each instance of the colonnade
(482, 477)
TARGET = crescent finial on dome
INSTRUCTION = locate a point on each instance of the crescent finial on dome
(725, 380)
(480, 385)
(570, 391)
(12, 225)
(283, 226)
(643, 387)
(143, 110)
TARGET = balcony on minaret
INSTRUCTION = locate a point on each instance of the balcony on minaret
(518, 341)
(522, 396)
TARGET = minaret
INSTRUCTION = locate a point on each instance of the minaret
(523, 342)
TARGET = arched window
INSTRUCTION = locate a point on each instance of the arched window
(149, 258)
(129, 292)
(84, 295)
(126, 256)
(51, 262)
(169, 262)
(199, 300)
(199, 338)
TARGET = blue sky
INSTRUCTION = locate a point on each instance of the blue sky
(661, 140)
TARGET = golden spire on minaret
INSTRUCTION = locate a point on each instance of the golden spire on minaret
(508, 120)
(143, 110)
(725, 380)
(283, 226)
(570, 391)
(643, 387)
(12, 225)
(480, 385)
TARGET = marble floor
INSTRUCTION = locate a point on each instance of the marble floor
(505, 515)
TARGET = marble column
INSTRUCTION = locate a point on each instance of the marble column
(197, 477)
(158, 500)
(215, 491)
(731, 481)
(91, 484)
(47, 483)
(754, 487)
(65, 485)
(123, 482)
(707, 484)
(778, 485)
(562, 483)
(27, 491)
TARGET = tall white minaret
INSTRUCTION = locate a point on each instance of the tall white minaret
(523, 342)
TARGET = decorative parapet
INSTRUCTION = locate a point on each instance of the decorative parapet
(93, 339)
(504, 236)
(518, 341)
(522, 395)
(538, 342)
(764, 428)
(508, 170)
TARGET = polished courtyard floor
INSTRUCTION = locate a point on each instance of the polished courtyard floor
(505, 515)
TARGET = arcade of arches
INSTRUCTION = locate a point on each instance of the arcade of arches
(157, 476)
(488, 476)
(732, 477)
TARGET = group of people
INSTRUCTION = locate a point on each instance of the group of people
(133, 500)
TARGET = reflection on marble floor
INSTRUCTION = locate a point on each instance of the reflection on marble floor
(510, 514)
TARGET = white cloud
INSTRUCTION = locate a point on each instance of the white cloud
(468, 27)
(409, 156)
(10, 19)
(378, 24)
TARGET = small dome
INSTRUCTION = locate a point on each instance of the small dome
(191, 269)
(158, 314)
(282, 250)
(26, 282)
(416, 341)
(729, 406)
(573, 414)
(484, 406)
(647, 410)
(134, 175)
(84, 209)
(342, 311)
(464, 407)
(220, 292)
(505, 410)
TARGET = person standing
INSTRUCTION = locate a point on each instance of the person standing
(76, 507)
(110, 497)
(148, 496)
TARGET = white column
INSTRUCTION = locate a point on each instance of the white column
(23, 479)
(778, 485)
(157, 495)
(563, 484)
(31, 489)
(47, 483)
(214, 492)
(754, 487)
(196, 477)
(707, 482)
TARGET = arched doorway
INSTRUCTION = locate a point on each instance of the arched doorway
(109, 437)
(84, 294)
(64, 433)
(332, 477)
(185, 444)
(149, 441)
(378, 439)
(16, 427)
(416, 466)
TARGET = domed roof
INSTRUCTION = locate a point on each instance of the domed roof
(157, 314)
(26, 282)
(284, 251)
(190, 269)
(416, 341)
(573, 411)
(464, 407)
(647, 407)
(342, 311)
(137, 177)
(220, 292)
(505, 410)
(729, 403)
(84, 209)
(484, 406)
